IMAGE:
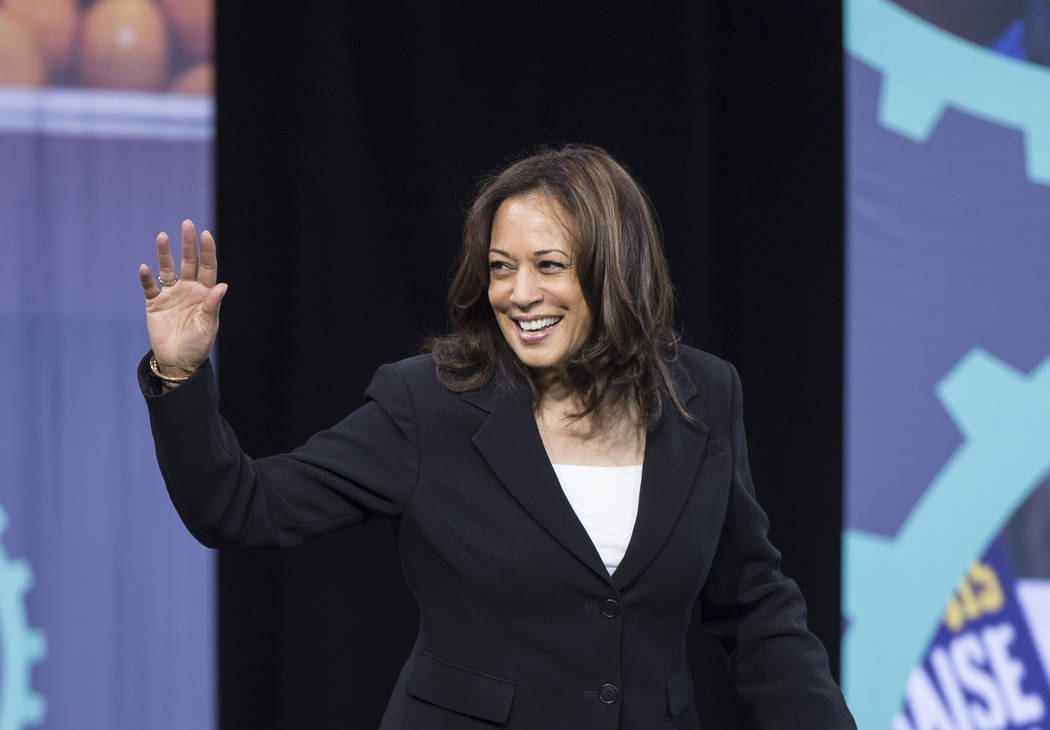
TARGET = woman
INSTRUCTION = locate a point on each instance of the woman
(556, 578)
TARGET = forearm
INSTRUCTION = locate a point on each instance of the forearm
(197, 458)
(363, 466)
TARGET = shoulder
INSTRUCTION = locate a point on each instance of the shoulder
(417, 369)
(410, 391)
(709, 373)
(401, 388)
(414, 378)
(702, 363)
(714, 379)
(411, 375)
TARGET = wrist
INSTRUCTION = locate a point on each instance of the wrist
(170, 376)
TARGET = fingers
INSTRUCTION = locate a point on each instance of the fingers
(188, 267)
(209, 265)
(149, 284)
(206, 267)
(165, 262)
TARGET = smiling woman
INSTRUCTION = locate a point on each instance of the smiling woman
(564, 233)
(570, 484)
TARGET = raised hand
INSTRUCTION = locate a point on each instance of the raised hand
(182, 313)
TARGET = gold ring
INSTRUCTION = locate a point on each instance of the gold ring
(173, 282)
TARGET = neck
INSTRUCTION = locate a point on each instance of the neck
(553, 386)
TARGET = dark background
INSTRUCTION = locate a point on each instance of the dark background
(350, 138)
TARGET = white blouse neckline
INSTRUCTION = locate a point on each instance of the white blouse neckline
(605, 500)
(598, 466)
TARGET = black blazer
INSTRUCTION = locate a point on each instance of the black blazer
(521, 626)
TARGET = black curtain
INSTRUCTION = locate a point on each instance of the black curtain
(350, 138)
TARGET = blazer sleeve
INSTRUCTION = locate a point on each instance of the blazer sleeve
(365, 466)
(779, 668)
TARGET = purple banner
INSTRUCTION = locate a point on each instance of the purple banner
(106, 602)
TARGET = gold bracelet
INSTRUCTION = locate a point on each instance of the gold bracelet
(156, 371)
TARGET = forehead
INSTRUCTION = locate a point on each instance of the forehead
(528, 222)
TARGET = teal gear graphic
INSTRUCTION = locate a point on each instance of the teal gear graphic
(926, 69)
(895, 588)
(20, 646)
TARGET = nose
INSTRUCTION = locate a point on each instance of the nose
(526, 292)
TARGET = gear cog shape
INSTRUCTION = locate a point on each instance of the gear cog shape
(895, 587)
(926, 69)
(20, 646)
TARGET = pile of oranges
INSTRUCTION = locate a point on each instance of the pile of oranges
(133, 45)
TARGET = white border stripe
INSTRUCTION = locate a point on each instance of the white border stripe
(106, 113)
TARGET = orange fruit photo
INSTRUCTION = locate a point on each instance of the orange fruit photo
(21, 63)
(53, 25)
(124, 45)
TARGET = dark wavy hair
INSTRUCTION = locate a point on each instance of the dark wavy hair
(619, 261)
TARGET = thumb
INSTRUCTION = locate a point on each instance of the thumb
(214, 299)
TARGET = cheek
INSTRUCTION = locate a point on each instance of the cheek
(498, 295)
(500, 292)
(584, 319)
(586, 324)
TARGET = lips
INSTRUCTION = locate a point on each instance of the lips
(535, 329)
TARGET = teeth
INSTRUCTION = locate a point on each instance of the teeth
(537, 324)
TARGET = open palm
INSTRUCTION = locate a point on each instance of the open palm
(183, 318)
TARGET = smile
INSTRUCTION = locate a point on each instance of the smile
(537, 329)
(535, 325)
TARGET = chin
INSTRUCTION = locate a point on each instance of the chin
(546, 356)
(539, 361)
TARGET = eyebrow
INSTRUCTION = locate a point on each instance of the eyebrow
(541, 252)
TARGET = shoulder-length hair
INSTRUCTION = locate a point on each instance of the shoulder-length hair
(619, 262)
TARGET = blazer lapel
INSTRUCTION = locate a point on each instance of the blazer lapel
(673, 450)
(672, 457)
(510, 443)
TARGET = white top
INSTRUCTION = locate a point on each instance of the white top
(605, 499)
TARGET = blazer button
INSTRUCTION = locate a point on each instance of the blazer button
(611, 608)
(609, 693)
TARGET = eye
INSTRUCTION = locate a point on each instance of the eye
(498, 266)
(550, 265)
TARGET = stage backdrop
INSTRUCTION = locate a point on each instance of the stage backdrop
(106, 603)
(947, 539)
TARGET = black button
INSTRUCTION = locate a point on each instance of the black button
(611, 608)
(609, 693)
